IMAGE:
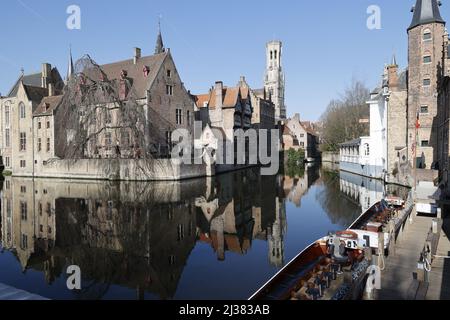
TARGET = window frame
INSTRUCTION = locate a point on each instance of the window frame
(427, 32)
(424, 145)
(7, 137)
(22, 141)
(169, 90)
(422, 110)
(22, 111)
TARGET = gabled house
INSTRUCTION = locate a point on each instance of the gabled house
(16, 117)
(301, 135)
(150, 82)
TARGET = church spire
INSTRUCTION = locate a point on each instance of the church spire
(426, 11)
(70, 68)
(394, 60)
(159, 41)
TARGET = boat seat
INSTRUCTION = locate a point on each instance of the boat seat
(291, 281)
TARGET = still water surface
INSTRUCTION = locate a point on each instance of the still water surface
(219, 238)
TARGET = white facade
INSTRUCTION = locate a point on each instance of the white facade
(367, 156)
(274, 83)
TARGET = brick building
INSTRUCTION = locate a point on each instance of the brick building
(425, 58)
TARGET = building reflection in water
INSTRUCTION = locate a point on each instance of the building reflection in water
(139, 236)
(364, 191)
(241, 207)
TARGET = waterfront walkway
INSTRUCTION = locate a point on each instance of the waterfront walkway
(401, 265)
(10, 293)
(439, 276)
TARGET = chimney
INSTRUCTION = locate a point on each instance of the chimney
(137, 54)
(46, 74)
(51, 89)
(393, 77)
(219, 94)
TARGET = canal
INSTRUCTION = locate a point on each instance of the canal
(219, 238)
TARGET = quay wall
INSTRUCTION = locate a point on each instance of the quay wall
(370, 171)
(332, 157)
(120, 170)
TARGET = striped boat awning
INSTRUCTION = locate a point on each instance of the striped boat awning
(10, 293)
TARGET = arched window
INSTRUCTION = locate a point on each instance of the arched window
(276, 54)
(366, 149)
(427, 36)
(22, 111)
(7, 113)
(271, 55)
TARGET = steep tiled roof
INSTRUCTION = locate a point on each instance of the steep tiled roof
(202, 100)
(309, 127)
(35, 80)
(28, 80)
(230, 96)
(135, 72)
(47, 106)
(287, 131)
(35, 94)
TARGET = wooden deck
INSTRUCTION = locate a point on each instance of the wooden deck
(401, 265)
(10, 293)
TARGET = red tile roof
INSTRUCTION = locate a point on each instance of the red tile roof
(230, 97)
(135, 72)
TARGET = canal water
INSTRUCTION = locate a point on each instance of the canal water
(219, 238)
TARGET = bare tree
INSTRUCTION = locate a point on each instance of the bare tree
(99, 116)
(341, 120)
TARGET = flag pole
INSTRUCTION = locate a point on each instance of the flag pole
(417, 125)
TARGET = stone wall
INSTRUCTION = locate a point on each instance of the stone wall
(397, 131)
(332, 157)
(121, 169)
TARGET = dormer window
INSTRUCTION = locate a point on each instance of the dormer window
(47, 106)
(146, 71)
(169, 73)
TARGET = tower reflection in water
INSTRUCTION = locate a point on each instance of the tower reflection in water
(136, 235)
(158, 240)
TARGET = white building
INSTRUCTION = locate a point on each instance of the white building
(367, 156)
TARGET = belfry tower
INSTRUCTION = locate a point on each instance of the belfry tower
(274, 83)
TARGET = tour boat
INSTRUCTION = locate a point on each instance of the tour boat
(333, 267)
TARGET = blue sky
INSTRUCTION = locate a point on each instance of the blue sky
(326, 43)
